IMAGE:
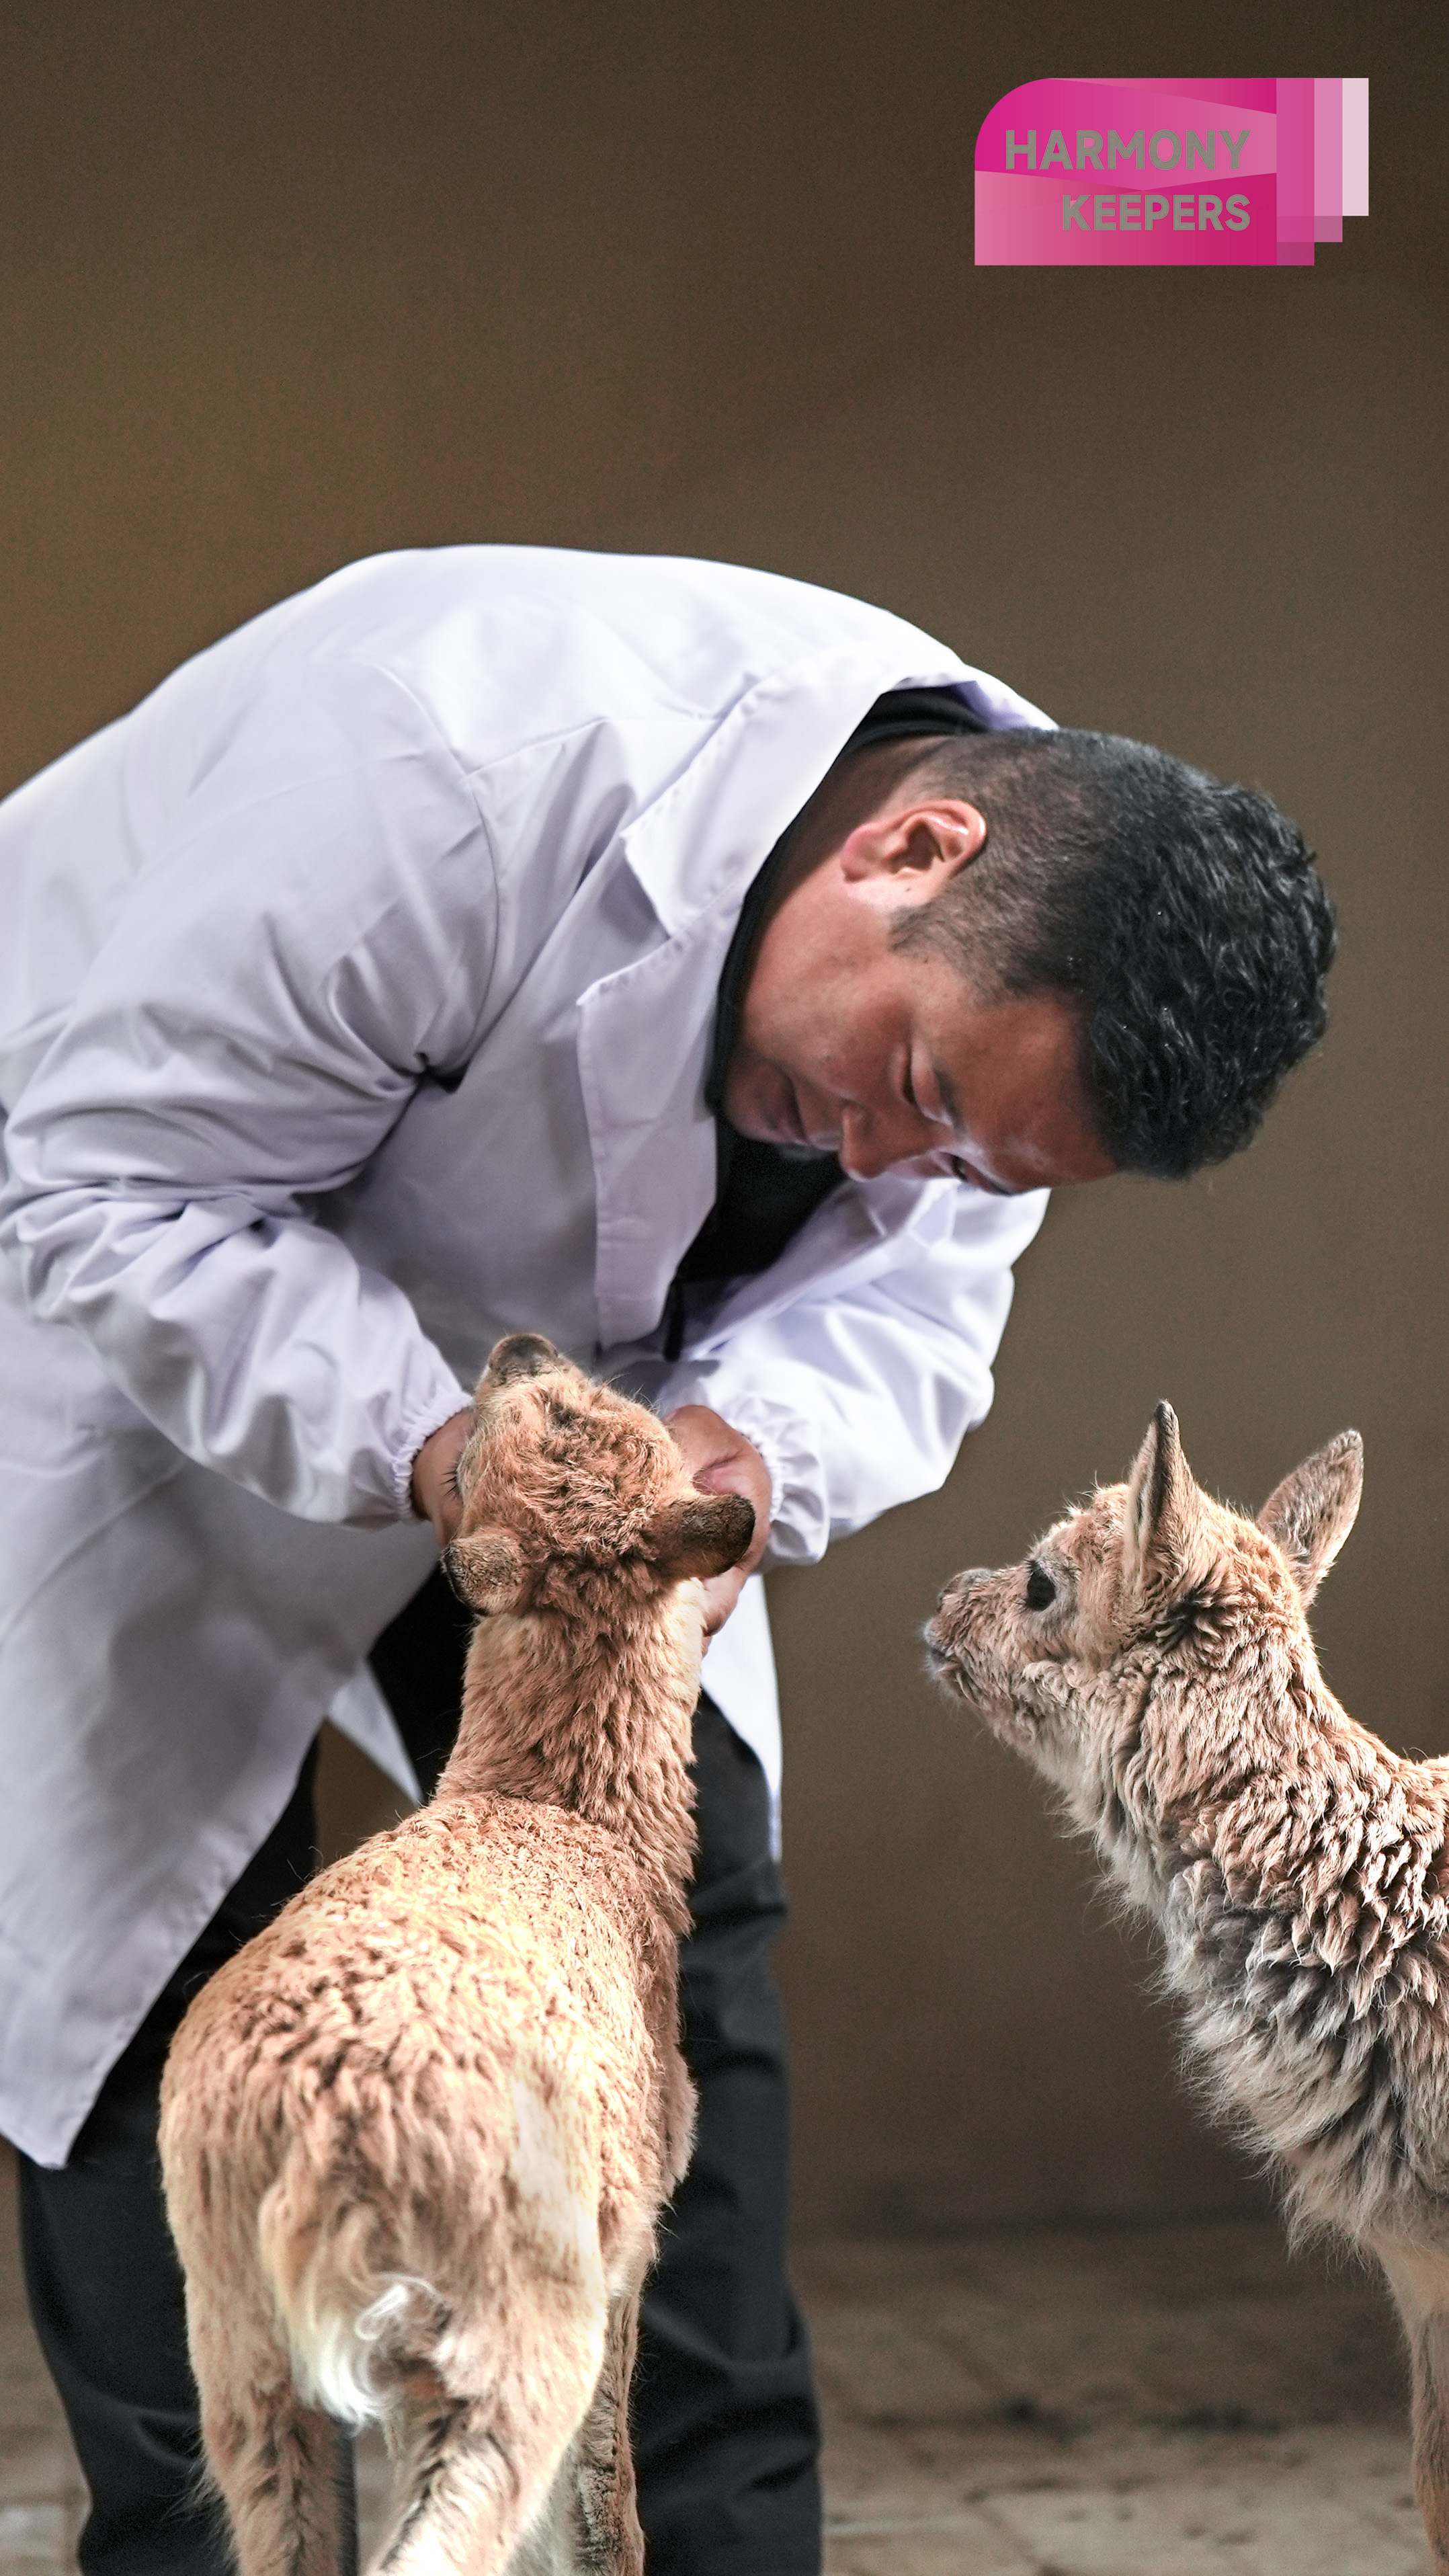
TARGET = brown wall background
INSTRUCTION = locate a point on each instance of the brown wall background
(283, 286)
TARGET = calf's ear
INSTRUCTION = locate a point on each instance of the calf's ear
(1162, 1523)
(1311, 1513)
(702, 1534)
(486, 1570)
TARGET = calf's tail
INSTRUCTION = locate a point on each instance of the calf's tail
(352, 2320)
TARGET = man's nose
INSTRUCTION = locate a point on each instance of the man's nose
(865, 1163)
(869, 1145)
(860, 1163)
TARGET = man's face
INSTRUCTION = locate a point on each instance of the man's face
(882, 1055)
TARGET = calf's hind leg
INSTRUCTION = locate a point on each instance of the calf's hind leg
(603, 2500)
(283, 2470)
(487, 2455)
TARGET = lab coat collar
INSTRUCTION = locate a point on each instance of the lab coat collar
(716, 823)
(644, 1032)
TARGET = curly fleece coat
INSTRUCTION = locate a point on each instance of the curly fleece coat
(1152, 1658)
(417, 2134)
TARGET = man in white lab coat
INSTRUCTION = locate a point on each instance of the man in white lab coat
(708, 971)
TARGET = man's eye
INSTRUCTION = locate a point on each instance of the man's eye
(1041, 1592)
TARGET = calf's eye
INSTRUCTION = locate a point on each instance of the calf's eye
(1041, 1592)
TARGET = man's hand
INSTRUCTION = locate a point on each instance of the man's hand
(722, 1461)
(434, 1494)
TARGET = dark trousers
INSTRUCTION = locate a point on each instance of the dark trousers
(725, 2428)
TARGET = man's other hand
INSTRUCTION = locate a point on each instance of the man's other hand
(722, 1461)
(434, 1494)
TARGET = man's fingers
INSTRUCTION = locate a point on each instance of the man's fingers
(722, 1461)
(434, 1494)
(721, 1593)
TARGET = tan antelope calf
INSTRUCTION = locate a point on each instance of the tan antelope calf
(416, 2136)
(1153, 1660)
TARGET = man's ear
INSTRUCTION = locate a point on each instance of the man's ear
(1311, 1513)
(702, 1534)
(907, 856)
(1162, 1522)
(486, 1570)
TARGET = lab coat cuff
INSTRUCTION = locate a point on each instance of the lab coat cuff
(444, 1403)
(799, 1510)
(773, 1450)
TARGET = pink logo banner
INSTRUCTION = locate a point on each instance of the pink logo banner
(1169, 174)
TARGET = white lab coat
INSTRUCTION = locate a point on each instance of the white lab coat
(355, 999)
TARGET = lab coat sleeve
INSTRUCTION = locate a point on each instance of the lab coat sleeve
(308, 936)
(859, 1399)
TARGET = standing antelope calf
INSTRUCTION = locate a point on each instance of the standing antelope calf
(1152, 1658)
(416, 2136)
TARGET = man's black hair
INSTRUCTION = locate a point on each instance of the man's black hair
(1186, 918)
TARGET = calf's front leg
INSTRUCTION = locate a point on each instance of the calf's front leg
(1419, 2279)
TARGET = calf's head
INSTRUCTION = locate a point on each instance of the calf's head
(1154, 1599)
(574, 1499)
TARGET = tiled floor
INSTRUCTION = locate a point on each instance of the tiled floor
(40, 2488)
(1166, 2402)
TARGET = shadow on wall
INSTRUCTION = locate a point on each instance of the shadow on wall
(700, 282)
(973, 2032)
